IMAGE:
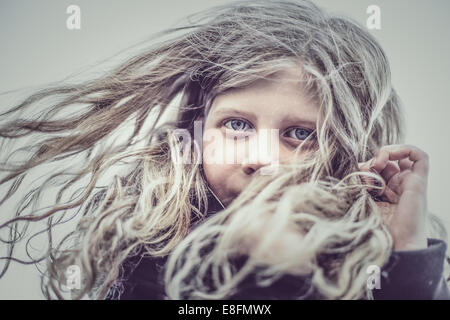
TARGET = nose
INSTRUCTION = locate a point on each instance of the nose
(262, 155)
(250, 168)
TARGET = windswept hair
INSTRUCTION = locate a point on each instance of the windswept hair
(84, 131)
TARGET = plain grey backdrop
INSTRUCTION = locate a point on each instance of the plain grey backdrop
(37, 48)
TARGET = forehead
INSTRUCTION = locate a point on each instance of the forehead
(282, 94)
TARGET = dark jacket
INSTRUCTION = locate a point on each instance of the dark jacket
(407, 275)
(414, 274)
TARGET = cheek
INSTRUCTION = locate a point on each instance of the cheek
(215, 174)
(213, 163)
(217, 149)
(219, 164)
(288, 155)
(218, 178)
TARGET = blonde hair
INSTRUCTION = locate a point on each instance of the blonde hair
(143, 206)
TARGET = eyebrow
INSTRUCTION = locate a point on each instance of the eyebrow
(251, 116)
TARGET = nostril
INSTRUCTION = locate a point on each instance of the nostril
(249, 170)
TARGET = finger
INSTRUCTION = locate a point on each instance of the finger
(388, 172)
(364, 166)
(390, 195)
(419, 158)
(405, 164)
(395, 183)
(380, 160)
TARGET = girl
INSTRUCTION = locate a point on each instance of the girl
(297, 185)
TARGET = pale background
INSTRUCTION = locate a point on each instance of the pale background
(37, 48)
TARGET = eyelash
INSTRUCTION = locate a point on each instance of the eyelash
(245, 122)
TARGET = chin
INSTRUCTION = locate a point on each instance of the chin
(230, 198)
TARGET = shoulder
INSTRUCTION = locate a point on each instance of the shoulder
(414, 274)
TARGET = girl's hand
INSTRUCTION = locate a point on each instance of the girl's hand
(403, 202)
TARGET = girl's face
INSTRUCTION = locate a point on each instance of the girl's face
(253, 127)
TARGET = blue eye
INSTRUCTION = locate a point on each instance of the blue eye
(242, 125)
(236, 124)
(300, 133)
